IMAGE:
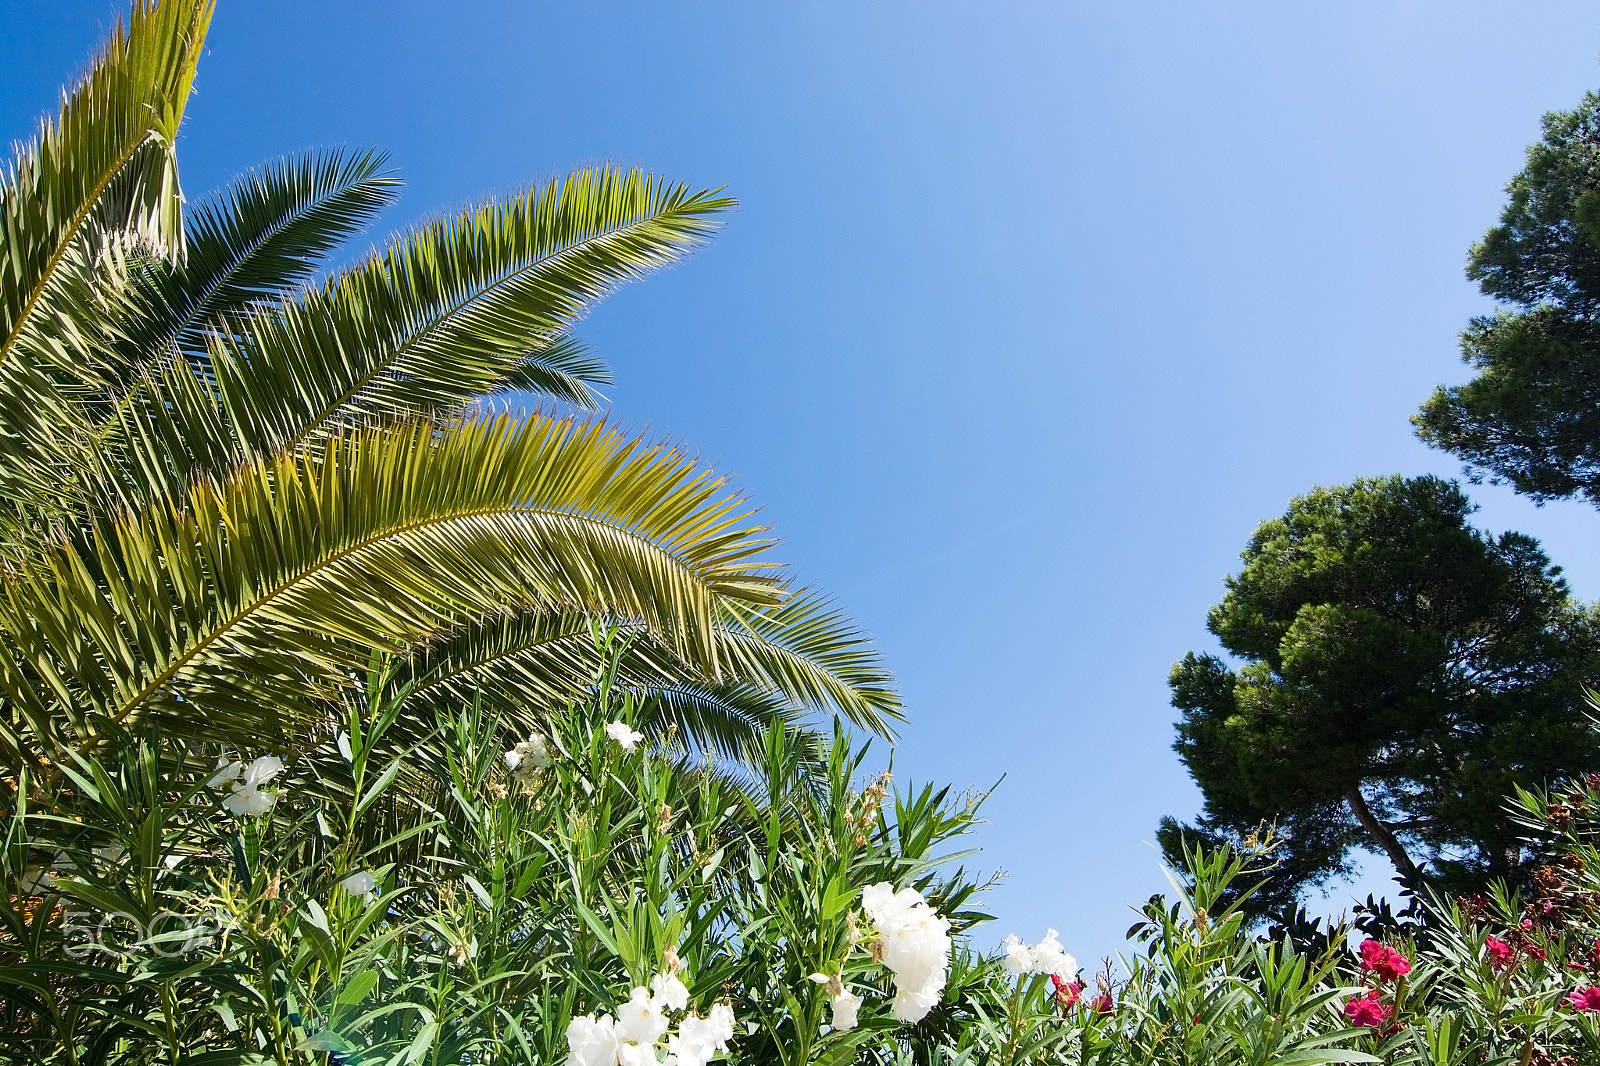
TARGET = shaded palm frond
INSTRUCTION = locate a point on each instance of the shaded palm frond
(799, 653)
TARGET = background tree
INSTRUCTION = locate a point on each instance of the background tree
(1532, 415)
(1400, 673)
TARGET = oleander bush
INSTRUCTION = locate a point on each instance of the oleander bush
(466, 899)
(582, 894)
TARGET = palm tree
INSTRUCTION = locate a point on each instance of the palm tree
(226, 484)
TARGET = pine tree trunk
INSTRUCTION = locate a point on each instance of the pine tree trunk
(1381, 833)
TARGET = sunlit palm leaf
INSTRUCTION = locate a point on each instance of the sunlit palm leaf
(106, 164)
(249, 603)
(455, 311)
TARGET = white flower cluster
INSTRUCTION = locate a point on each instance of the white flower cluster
(528, 757)
(1045, 957)
(634, 1036)
(914, 942)
(625, 736)
(248, 799)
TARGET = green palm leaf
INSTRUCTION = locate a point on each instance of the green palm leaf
(256, 243)
(244, 608)
(808, 659)
(262, 239)
(469, 306)
(456, 311)
(106, 165)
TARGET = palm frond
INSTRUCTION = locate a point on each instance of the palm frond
(105, 165)
(263, 238)
(798, 653)
(241, 607)
(815, 654)
(566, 368)
(457, 311)
(719, 721)
(256, 243)
(466, 307)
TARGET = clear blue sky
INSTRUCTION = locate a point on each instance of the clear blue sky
(1030, 313)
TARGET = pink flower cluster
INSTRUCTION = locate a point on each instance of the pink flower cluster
(1368, 1010)
(1384, 961)
(1386, 964)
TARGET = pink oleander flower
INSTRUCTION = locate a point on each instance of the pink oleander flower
(1368, 1010)
(1584, 999)
(1384, 961)
(1501, 954)
(1067, 992)
(1102, 1004)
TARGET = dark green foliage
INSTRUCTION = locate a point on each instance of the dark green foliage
(1391, 657)
(1532, 415)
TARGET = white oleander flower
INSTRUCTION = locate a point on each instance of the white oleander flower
(1051, 958)
(1045, 957)
(641, 1020)
(248, 799)
(626, 737)
(227, 773)
(530, 755)
(846, 1005)
(912, 1003)
(636, 1054)
(698, 1039)
(914, 942)
(669, 991)
(592, 1041)
(249, 802)
(262, 770)
(360, 883)
(1019, 956)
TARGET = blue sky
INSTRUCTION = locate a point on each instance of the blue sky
(1029, 314)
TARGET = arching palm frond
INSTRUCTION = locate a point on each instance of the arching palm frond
(452, 313)
(476, 304)
(106, 165)
(809, 660)
(255, 244)
(240, 610)
(262, 239)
